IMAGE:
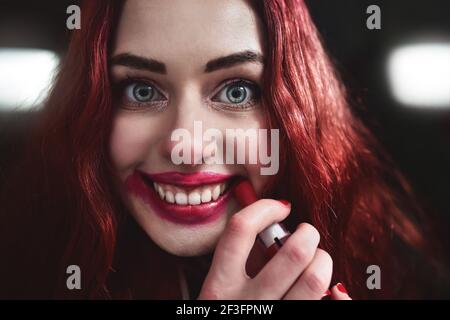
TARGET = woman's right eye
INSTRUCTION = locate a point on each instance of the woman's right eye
(142, 93)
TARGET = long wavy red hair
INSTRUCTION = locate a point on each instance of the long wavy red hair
(60, 207)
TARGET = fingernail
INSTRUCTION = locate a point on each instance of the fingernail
(341, 288)
(285, 202)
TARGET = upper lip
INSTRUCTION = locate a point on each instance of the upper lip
(187, 179)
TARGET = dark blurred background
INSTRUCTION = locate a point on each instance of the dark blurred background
(418, 137)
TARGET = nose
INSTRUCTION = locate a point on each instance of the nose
(184, 144)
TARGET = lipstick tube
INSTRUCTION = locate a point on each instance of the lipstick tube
(272, 237)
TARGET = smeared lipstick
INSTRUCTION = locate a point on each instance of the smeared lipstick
(141, 184)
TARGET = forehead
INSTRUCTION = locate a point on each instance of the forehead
(194, 30)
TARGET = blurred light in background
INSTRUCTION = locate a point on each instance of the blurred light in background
(419, 75)
(25, 77)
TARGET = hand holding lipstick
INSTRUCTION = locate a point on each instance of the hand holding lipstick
(298, 270)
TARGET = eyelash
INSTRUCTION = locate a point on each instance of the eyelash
(122, 86)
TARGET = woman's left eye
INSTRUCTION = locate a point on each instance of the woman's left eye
(239, 93)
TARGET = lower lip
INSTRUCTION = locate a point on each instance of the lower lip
(188, 214)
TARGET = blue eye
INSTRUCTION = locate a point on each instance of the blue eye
(139, 92)
(238, 93)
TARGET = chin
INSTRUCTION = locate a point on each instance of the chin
(187, 249)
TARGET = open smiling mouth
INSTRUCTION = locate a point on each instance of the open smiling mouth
(197, 195)
(184, 198)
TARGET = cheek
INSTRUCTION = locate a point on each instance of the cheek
(130, 141)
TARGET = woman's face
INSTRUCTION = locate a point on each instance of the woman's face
(173, 63)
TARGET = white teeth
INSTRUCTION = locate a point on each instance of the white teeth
(194, 198)
(206, 195)
(216, 192)
(176, 195)
(161, 192)
(170, 198)
(181, 198)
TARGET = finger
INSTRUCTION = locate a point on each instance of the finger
(327, 295)
(286, 266)
(338, 292)
(235, 244)
(315, 280)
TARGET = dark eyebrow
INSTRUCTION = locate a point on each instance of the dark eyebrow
(137, 62)
(234, 59)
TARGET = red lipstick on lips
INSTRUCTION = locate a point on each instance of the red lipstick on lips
(141, 184)
(274, 235)
(187, 179)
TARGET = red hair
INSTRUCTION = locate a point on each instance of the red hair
(60, 206)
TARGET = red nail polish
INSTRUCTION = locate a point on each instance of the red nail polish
(285, 202)
(341, 288)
